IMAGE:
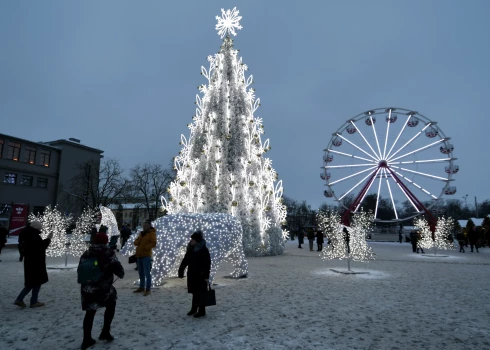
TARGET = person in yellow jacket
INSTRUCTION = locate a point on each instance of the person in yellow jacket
(146, 241)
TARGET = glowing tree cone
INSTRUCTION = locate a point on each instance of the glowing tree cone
(53, 222)
(83, 227)
(221, 167)
(444, 228)
(355, 248)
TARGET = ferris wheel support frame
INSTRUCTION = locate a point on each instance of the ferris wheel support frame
(418, 204)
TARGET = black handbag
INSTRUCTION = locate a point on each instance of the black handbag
(209, 296)
(132, 259)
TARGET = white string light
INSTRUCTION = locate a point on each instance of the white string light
(444, 228)
(330, 223)
(108, 220)
(223, 235)
(83, 227)
(55, 222)
(221, 168)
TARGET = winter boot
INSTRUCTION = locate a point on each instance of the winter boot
(193, 311)
(139, 290)
(87, 343)
(147, 292)
(201, 312)
(106, 335)
(20, 303)
(38, 304)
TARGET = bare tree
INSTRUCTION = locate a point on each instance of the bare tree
(150, 181)
(93, 187)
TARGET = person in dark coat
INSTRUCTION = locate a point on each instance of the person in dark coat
(125, 234)
(35, 273)
(102, 293)
(311, 238)
(413, 240)
(473, 238)
(319, 240)
(198, 263)
(347, 238)
(460, 238)
(3, 237)
(21, 241)
(301, 238)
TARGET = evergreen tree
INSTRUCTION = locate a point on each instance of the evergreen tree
(221, 167)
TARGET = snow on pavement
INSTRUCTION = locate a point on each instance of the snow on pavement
(293, 301)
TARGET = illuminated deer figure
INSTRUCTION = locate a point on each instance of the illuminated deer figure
(223, 235)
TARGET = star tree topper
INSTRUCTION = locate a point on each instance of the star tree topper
(228, 21)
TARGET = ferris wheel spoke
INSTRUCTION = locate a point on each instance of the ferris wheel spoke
(391, 196)
(369, 187)
(406, 195)
(398, 137)
(356, 146)
(415, 185)
(387, 133)
(356, 185)
(348, 177)
(367, 143)
(379, 191)
(349, 155)
(409, 141)
(423, 161)
(346, 166)
(375, 135)
(421, 173)
(416, 151)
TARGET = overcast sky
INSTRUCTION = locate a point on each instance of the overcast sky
(122, 76)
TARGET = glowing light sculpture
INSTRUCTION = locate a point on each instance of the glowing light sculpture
(84, 225)
(109, 220)
(444, 228)
(221, 167)
(358, 250)
(53, 222)
(222, 232)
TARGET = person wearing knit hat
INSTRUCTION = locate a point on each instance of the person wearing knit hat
(198, 263)
(100, 293)
(35, 272)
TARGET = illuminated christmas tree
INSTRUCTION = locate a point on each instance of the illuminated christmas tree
(83, 227)
(346, 242)
(444, 228)
(221, 167)
(53, 222)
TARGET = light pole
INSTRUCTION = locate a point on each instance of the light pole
(465, 204)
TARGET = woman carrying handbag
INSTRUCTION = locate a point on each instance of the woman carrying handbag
(198, 262)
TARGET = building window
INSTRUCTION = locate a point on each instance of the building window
(45, 157)
(10, 179)
(26, 180)
(13, 151)
(42, 182)
(1, 148)
(30, 154)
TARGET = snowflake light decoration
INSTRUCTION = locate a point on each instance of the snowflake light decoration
(228, 21)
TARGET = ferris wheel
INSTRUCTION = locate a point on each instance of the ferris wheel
(393, 161)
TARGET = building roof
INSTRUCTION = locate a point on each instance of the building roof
(477, 222)
(10, 137)
(72, 143)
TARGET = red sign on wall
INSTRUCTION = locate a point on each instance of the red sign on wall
(18, 218)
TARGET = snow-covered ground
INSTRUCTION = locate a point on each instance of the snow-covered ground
(293, 301)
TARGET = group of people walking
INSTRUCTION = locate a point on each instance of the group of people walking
(311, 235)
(96, 270)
